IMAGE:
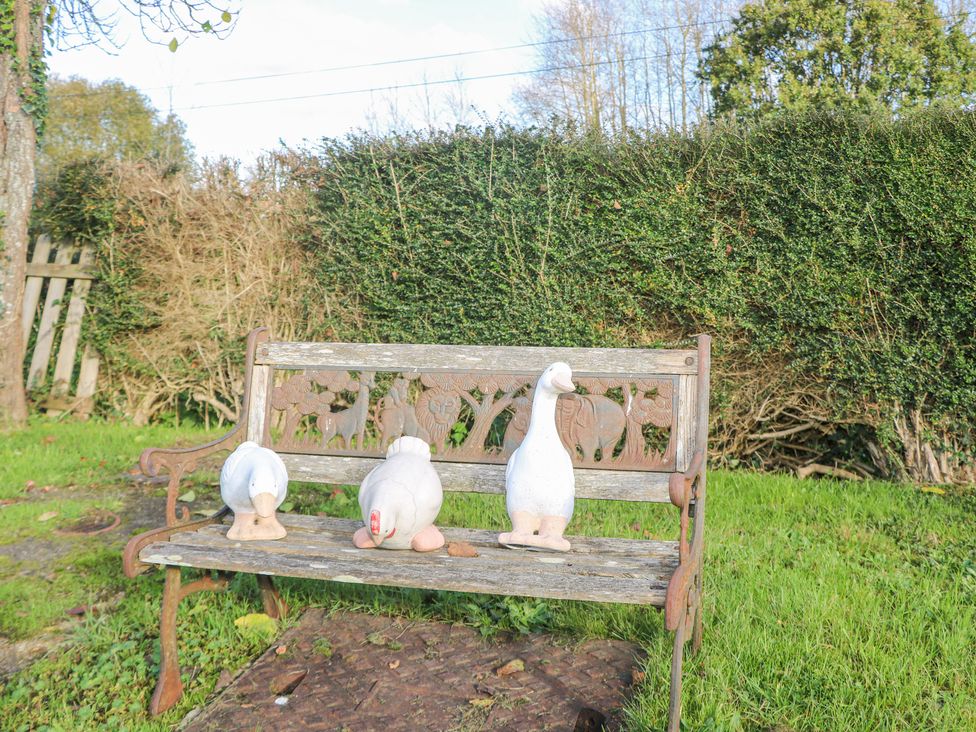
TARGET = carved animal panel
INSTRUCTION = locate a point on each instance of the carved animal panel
(613, 423)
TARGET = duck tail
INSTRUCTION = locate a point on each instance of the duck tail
(410, 446)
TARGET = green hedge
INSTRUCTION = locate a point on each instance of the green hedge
(841, 246)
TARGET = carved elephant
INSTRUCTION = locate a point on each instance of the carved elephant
(592, 422)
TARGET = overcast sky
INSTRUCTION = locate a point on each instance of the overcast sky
(284, 36)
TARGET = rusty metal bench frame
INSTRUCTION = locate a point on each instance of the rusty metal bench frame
(676, 475)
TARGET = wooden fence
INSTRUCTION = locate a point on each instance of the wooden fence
(53, 271)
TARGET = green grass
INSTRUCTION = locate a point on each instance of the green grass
(51, 473)
(78, 454)
(829, 606)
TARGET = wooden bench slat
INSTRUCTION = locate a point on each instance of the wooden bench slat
(516, 563)
(339, 545)
(595, 362)
(642, 578)
(619, 485)
(343, 528)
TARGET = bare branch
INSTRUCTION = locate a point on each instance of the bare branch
(77, 23)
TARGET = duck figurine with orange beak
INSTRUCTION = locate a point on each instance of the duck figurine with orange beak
(540, 488)
(400, 499)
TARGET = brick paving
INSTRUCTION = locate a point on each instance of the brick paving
(392, 674)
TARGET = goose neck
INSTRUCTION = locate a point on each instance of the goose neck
(543, 420)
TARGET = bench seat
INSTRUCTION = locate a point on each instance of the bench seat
(634, 571)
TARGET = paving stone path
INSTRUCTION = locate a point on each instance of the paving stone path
(357, 672)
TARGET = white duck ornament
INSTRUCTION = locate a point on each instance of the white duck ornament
(253, 483)
(400, 499)
(539, 484)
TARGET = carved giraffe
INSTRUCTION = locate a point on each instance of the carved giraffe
(351, 422)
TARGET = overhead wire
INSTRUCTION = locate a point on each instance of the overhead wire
(418, 84)
(412, 59)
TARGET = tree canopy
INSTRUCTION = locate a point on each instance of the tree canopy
(107, 120)
(865, 54)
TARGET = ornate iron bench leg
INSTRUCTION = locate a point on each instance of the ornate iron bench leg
(674, 708)
(274, 605)
(169, 687)
(696, 632)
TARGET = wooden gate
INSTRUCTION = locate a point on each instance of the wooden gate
(55, 271)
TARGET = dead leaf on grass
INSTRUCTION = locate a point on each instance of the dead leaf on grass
(461, 549)
(512, 667)
(47, 515)
(636, 677)
(482, 703)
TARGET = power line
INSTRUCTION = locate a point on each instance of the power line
(457, 54)
(414, 85)
(412, 59)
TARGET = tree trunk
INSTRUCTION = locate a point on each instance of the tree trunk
(17, 145)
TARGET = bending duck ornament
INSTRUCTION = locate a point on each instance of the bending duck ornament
(400, 499)
(539, 484)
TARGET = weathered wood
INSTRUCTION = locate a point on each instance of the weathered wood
(596, 362)
(309, 532)
(518, 562)
(49, 318)
(65, 364)
(87, 381)
(619, 485)
(625, 576)
(80, 271)
(687, 421)
(259, 394)
(33, 286)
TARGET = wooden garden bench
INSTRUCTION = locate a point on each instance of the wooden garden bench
(639, 433)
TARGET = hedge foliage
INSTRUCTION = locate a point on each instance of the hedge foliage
(842, 247)
(832, 257)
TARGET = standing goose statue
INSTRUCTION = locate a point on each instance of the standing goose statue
(539, 483)
(400, 499)
(253, 483)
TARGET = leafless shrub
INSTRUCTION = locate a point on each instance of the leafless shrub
(215, 259)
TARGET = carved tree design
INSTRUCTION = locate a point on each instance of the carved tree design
(642, 409)
(429, 405)
(486, 410)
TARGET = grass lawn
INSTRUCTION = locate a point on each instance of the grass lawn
(829, 605)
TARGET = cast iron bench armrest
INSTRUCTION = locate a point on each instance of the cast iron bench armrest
(133, 566)
(178, 461)
(686, 490)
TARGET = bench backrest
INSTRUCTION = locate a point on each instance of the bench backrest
(331, 410)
